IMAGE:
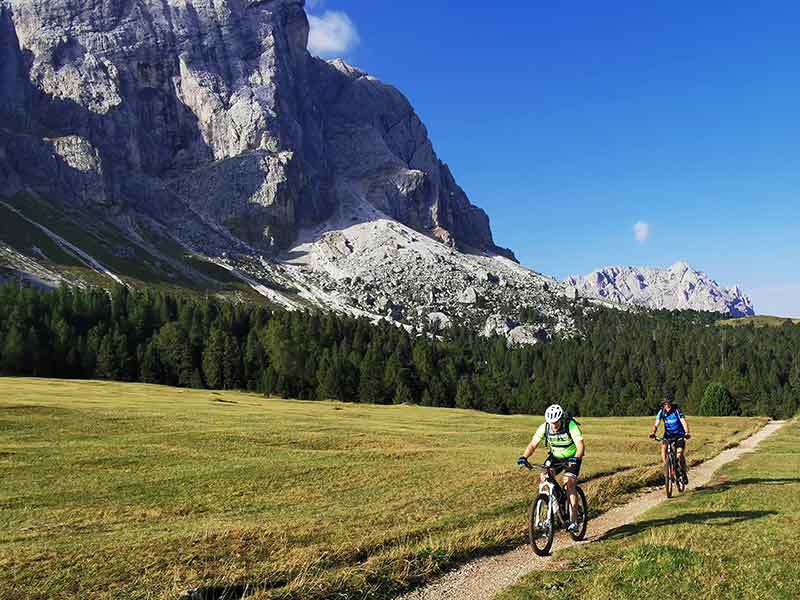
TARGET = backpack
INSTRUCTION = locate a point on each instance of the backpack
(567, 419)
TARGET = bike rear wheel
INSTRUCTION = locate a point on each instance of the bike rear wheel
(582, 516)
(541, 525)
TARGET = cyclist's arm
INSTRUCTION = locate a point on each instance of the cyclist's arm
(683, 422)
(655, 425)
(580, 449)
(537, 439)
(577, 437)
(530, 450)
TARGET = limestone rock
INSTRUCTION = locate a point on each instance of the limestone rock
(439, 320)
(468, 296)
(526, 335)
(676, 287)
(215, 107)
(498, 325)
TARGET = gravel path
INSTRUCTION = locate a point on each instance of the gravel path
(485, 577)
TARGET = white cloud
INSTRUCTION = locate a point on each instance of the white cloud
(641, 231)
(332, 34)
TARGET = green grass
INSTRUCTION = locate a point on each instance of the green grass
(759, 321)
(101, 241)
(131, 491)
(24, 237)
(736, 538)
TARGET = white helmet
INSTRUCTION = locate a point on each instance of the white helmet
(553, 413)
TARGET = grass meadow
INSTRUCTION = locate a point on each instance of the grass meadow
(738, 537)
(131, 491)
(759, 321)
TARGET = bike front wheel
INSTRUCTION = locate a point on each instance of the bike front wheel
(582, 516)
(541, 526)
(668, 478)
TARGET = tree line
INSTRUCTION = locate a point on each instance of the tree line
(621, 363)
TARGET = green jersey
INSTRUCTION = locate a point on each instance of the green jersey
(562, 444)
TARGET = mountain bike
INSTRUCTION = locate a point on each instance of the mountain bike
(673, 470)
(550, 511)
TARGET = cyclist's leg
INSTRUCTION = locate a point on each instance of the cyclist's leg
(680, 448)
(663, 452)
(571, 474)
(570, 481)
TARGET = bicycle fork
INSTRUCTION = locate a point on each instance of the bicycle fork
(553, 512)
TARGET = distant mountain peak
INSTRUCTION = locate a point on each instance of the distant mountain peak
(679, 286)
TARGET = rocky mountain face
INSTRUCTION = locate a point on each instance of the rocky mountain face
(213, 107)
(677, 287)
(208, 126)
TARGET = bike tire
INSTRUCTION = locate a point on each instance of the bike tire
(679, 477)
(583, 516)
(541, 545)
(667, 478)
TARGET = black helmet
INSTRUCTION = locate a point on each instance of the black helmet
(668, 398)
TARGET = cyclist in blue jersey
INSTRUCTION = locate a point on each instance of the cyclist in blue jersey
(675, 426)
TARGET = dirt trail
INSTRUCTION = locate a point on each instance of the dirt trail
(485, 577)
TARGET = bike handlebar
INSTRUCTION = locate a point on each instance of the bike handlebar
(531, 466)
(673, 439)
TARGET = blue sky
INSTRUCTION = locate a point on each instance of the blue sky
(570, 123)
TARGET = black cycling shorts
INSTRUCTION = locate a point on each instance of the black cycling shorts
(571, 466)
(679, 443)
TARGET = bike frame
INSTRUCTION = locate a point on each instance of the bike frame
(671, 450)
(672, 454)
(549, 487)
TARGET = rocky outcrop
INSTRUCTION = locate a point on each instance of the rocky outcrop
(364, 263)
(678, 287)
(468, 296)
(516, 333)
(212, 111)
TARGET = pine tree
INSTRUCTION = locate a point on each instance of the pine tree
(718, 401)
(465, 395)
(107, 367)
(370, 387)
(794, 377)
(14, 362)
(254, 360)
(403, 394)
(150, 367)
(213, 360)
(232, 363)
(175, 355)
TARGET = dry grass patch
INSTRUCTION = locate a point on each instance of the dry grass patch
(133, 491)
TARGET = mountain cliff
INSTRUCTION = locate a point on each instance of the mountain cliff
(674, 288)
(214, 106)
(198, 143)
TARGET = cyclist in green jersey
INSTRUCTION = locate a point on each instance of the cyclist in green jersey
(562, 435)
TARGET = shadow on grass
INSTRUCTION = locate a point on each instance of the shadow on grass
(726, 484)
(723, 518)
(223, 401)
(233, 592)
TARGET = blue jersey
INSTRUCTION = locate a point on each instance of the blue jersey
(672, 421)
